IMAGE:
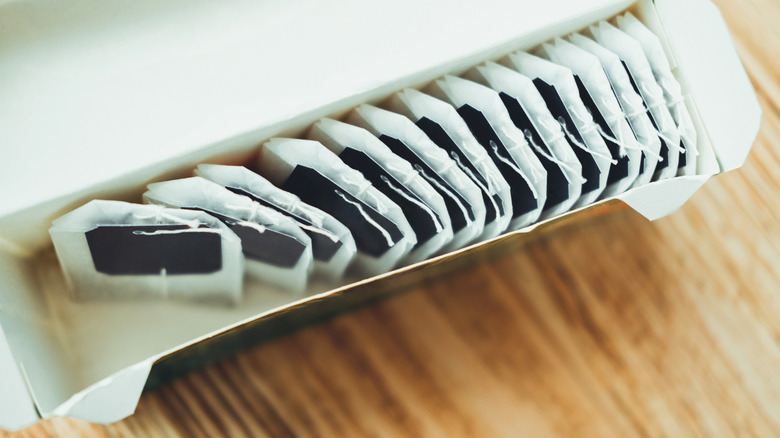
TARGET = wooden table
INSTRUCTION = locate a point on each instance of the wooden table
(617, 327)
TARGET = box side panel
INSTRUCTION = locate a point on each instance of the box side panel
(96, 90)
(17, 409)
(711, 72)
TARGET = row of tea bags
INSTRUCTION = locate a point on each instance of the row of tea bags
(465, 159)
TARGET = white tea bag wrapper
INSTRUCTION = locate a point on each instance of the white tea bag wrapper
(462, 197)
(118, 250)
(638, 68)
(487, 119)
(675, 100)
(632, 105)
(277, 251)
(597, 95)
(557, 86)
(529, 113)
(382, 233)
(333, 247)
(442, 124)
(422, 205)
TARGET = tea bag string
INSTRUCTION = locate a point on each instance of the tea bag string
(518, 143)
(660, 103)
(254, 215)
(368, 218)
(676, 102)
(577, 142)
(481, 161)
(476, 180)
(445, 163)
(434, 217)
(618, 117)
(514, 167)
(439, 186)
(572, 175)
(160, 217)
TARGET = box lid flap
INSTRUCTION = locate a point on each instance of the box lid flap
(17, 409)
(95, 90)
(711, 71)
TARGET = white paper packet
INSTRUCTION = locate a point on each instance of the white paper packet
(462, 197)
(597, 95)
(422, 205)
(442, 124)
(529, 113)
(631, 54)
(117, 250)
(333, 247)
(672, 89)
(308, 169)
(632, 105)
(276, 250)
(487, 118)
(557, 86)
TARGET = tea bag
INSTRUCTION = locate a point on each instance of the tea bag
(675, 100)
(632, 105)
(462, 197)
(598, 97)
(332, 244)
(118, 250)
(277, 251)
(422, 205)
(442, 124)
(484, 113)
(557, 86)
(638, 68)
(529, 113)
(308, 169)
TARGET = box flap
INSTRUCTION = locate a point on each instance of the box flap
(95, 90)
(17, 409)
(710, 70)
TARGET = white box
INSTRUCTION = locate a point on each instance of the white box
(100, 98)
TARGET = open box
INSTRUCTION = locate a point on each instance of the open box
(99, 99)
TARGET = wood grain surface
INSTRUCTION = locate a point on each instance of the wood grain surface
(617, 327)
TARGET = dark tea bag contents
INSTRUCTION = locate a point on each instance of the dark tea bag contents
(278, 253)
(558, 87)
(422, 205)
(405, 139)
(117, 250)
(442, 124)
(672, 89)
(488, 120)
(333, 246)
(597, 95)
(631, 104)
(635, 62)
(309, 170)
(529, 113)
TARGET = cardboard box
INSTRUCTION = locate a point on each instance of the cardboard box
(101, 98)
